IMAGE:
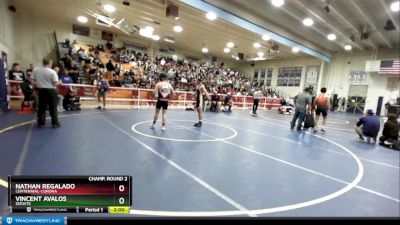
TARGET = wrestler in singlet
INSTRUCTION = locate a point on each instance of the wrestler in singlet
(164, 92)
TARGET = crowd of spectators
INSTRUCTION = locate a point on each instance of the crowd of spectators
(129, 68)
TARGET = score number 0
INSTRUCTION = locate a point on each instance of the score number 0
(121, 188)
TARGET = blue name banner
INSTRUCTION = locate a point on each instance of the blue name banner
(33, 220)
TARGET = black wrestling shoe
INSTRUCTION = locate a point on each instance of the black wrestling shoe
(198, 124)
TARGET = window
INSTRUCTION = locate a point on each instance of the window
(255, 77)
(262, 74)
(267, 81)
(289, 76)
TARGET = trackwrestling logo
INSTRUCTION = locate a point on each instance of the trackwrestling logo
(54, 220)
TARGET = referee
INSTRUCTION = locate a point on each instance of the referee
(46, 81)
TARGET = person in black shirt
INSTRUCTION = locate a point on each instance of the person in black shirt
(110, 67)
(71, 102)
(390, 131)
(16, 73)
(228, 102)
(109, 45)
(215, 104)
(29, 95)
(73, 72)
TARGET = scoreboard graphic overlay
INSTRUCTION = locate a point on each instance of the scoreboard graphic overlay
(70, 194)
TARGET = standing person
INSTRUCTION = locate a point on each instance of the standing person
(256, 99)
(102, 86)
(302, 102)
(46, 82)
(368, 126)
(163, 91)
(200, 91)
(322, 104)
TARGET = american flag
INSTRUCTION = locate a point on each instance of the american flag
(390, 67)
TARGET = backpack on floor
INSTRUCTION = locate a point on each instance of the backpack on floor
(396, 145)
(309, 121)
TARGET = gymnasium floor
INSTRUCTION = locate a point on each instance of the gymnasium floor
(235, 165)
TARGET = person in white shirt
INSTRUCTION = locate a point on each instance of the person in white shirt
(46, 81)
(256, 99)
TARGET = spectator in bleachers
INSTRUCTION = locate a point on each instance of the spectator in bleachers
(31, 67)
(65, 78)
(109, 45)
(182, 73)
(73, 72)
(110, 67)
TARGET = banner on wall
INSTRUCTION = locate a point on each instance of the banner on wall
(4, 98)
(357, 77)
(312, 74)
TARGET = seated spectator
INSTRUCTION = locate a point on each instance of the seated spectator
(65, 78)
(110, 67)
(71, 102)
(368, 126)
(109, 45)
(73, 72)
(286, 108)
(29, 95)
(390, 133)
(228, 102)
(215, 103)
(16, 73)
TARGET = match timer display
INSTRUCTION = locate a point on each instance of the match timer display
(74, 194)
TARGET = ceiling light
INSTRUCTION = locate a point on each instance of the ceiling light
(295, 49)
(266, 37)
(278, 3)
(227, 50)
(331, 37)
(169, 40)
(204, 50)
(230, 44)
(109, 8)
(211, 16)
(256, 45)
(260, 54)
(347, 47)
(178, 29)
(237, 58)
(156, 37)
(82, 19)
(308, 22)
(146, 32)
(176, 18)
(395, 6)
